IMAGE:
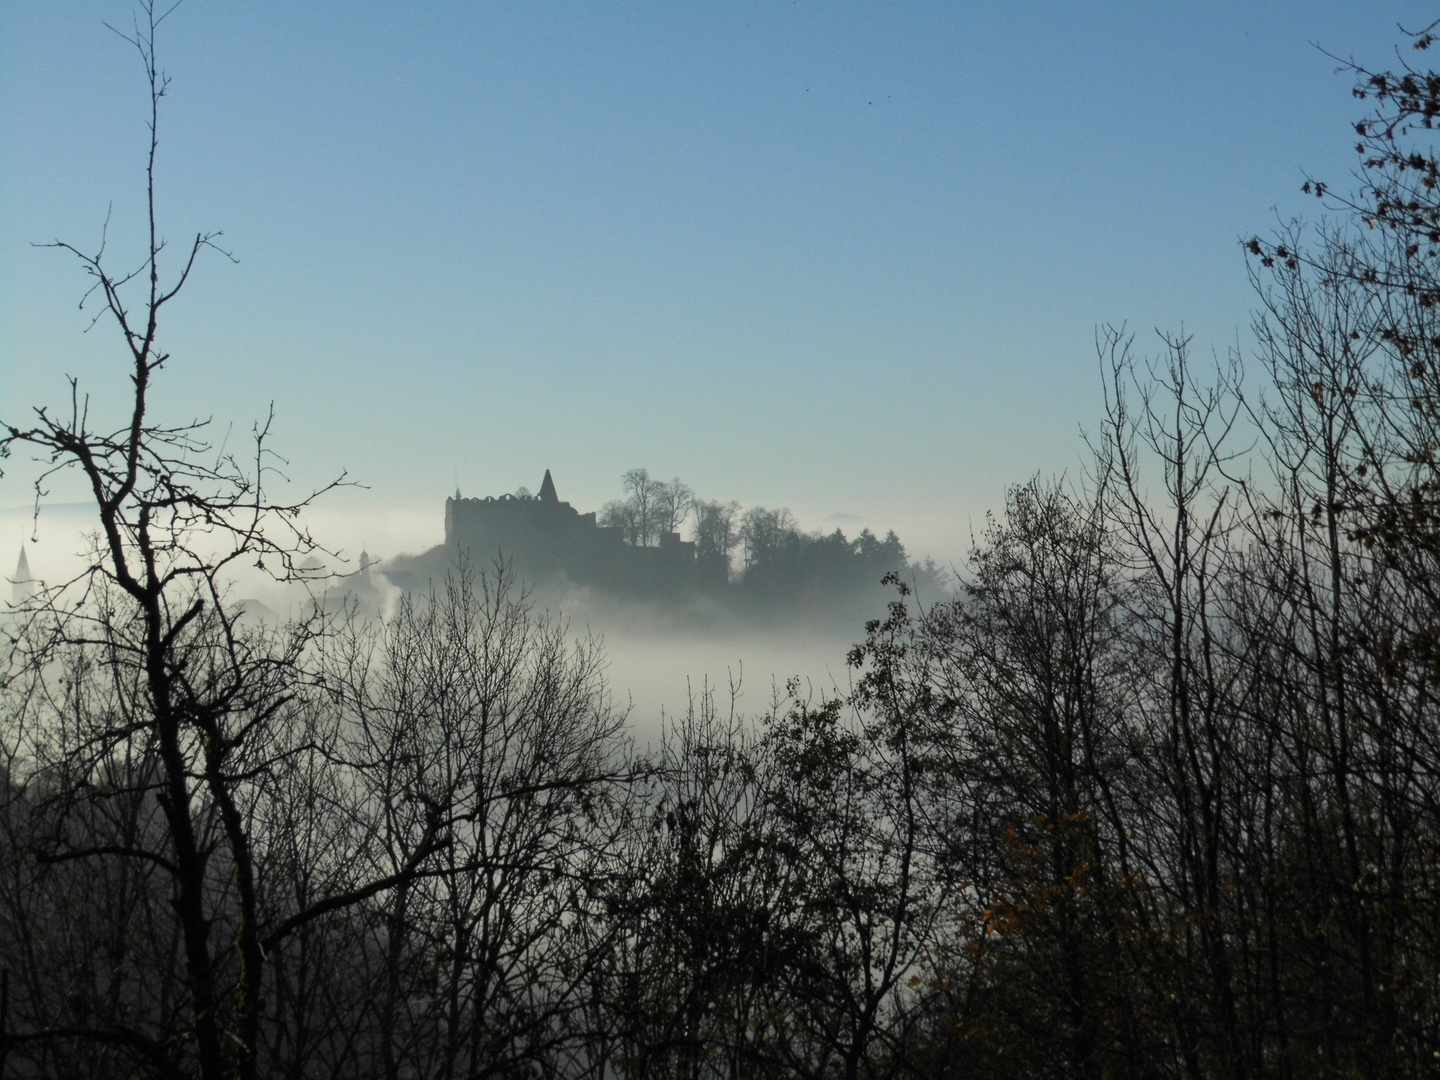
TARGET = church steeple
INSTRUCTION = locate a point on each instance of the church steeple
(22, 585)
(547, 489)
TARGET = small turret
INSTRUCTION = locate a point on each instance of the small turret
(547, 490)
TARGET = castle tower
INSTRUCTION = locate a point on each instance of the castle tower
(22, 585)
(547, 490)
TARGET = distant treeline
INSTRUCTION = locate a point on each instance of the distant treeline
(1157, 795)
(778, 560)
(774, 568)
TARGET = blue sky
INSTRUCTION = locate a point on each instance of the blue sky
(839, 257)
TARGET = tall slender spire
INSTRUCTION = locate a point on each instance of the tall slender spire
(547, 489)
(22, 585)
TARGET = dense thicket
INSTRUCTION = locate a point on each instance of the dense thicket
(1156, 794)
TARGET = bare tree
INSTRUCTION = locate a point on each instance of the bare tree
(617, 514)
(716, 526)
(763, 532)
(649, 509)
(673, 503)
(194, 722)
(471, 701)
(642, 495)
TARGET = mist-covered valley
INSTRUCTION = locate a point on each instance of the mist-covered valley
(663, 645)
(976, 688)
(664, 640)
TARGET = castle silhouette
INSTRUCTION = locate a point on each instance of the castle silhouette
(541, 537)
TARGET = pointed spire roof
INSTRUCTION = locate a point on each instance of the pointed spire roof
(22, 585)
(547, 489)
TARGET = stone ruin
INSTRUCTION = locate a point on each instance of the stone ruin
(542, 537)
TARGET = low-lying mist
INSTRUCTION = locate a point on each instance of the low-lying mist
(659, 665)
(660, 653)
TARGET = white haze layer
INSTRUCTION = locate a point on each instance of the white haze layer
(654, 666)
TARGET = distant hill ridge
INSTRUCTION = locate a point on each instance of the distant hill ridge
(632, 549)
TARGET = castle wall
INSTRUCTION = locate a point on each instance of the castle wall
(544, 538)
